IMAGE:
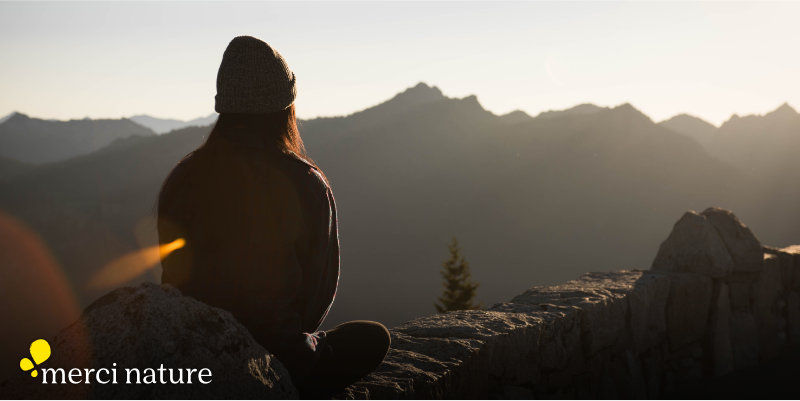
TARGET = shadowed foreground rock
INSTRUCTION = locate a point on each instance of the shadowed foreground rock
(715, 301)
(150, 325)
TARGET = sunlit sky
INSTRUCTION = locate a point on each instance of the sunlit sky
(73, 60)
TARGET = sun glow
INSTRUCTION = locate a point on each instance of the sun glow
(133, 264)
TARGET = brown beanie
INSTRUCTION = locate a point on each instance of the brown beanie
(253, 78)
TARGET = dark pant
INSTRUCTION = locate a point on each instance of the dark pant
(351, 351)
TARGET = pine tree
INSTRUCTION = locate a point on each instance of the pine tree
(459, 289)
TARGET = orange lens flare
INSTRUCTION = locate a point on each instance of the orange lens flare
(133, 264)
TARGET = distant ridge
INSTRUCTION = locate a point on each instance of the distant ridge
(584, 108)
(410, 98)
(515, 117)
(783, 112)
(766, 144)
(164, 125)
(34, 140)
(419, 93)
(3, 119)
(628, 110)
(691, 126)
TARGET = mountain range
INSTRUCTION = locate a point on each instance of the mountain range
(164, 125)
(34, 140)
(756, 143)
(533, 200)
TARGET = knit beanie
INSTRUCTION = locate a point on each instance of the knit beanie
(253, 78)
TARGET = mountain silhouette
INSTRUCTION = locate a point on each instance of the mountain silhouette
(33, 140)
(164, 125)
(9, 115)
(760, 143)
(696, 128)
(516, 117)
(584, 108)
(408, 99)
(535, 201)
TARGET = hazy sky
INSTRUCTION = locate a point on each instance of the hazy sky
(71, 60)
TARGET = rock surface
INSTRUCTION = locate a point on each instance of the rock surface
(150, 325)
(706, 308)
(688, 308)
(721, 332)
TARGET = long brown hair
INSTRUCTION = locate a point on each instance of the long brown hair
(276, 130)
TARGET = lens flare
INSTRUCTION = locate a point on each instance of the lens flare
(133, 264)
(36, 297)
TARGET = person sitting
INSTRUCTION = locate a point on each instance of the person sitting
(260, 225)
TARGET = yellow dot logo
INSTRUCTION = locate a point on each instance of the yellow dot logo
(40, 351)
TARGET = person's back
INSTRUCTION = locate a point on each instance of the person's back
(259, 221)
(253, 218)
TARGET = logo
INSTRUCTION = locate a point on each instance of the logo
(40, 351)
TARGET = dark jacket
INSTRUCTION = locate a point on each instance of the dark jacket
(261, 242)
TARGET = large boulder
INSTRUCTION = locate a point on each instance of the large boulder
(713, 243)
(153, 326)
(745, 249)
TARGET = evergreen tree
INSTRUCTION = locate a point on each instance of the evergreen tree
(459, 289)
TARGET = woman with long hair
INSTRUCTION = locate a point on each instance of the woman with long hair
(259, 221)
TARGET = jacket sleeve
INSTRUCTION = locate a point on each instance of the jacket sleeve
(321, 275)
(173, 219)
